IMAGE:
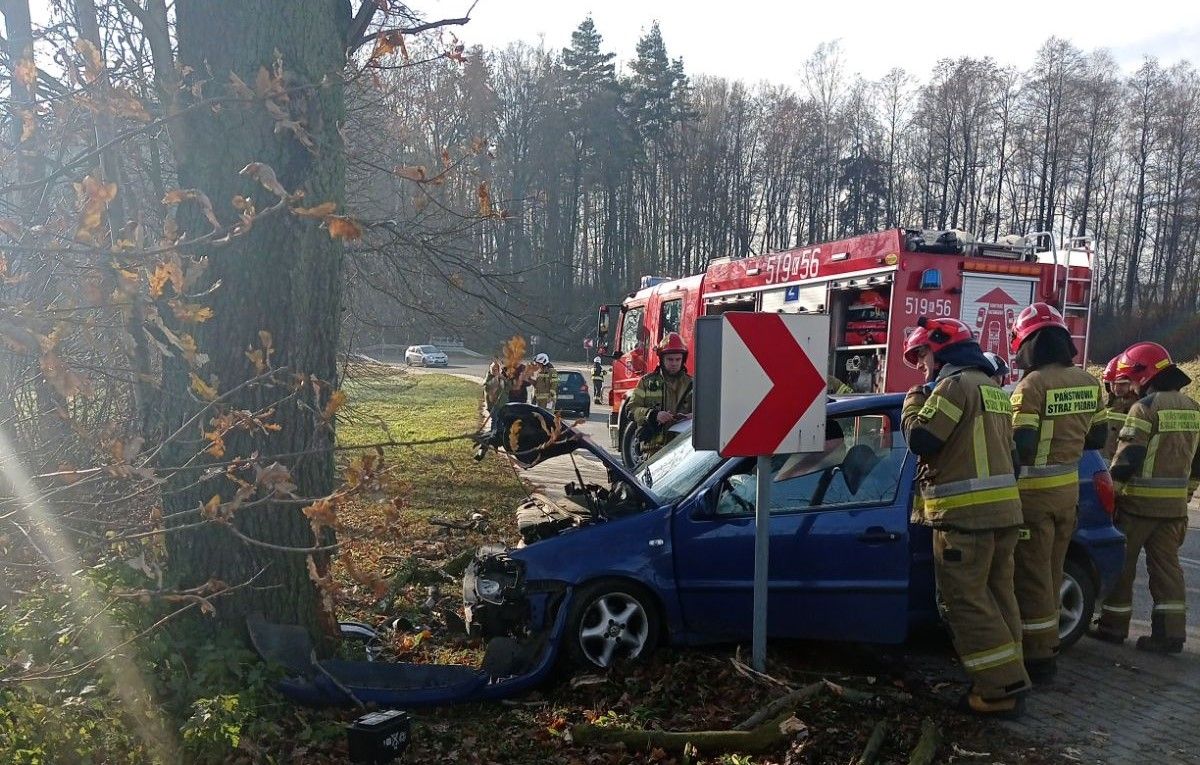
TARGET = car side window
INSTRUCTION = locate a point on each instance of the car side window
(860, 464)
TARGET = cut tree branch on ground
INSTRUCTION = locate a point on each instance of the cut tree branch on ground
(870, 752)
(764, 738)
(927, 745)
(774, 708)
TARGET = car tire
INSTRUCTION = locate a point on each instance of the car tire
(611, 621)
(1078, 603)
(631, 451)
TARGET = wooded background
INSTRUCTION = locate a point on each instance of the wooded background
(606, 172)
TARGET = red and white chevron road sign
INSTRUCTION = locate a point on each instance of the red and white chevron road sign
(759, 387)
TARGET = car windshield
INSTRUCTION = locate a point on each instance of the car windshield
(677, 469)
(428, 349)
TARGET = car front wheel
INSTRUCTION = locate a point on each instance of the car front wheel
(1078, 601)
(612, 621)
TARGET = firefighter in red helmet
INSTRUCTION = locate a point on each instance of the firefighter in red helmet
(1120, 398)
(1157, 465)
(662, 397)
(1058, 411)
(959, 426)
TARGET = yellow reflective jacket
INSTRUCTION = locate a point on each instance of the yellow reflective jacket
(969, 483)
(1159, 442)
(1061, 403)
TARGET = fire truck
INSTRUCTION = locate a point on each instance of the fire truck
(873, 287)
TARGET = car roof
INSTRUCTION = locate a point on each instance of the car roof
(858, 402)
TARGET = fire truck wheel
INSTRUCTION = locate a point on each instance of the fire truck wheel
(631, 450)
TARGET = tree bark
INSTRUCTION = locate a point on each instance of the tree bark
(283, 277)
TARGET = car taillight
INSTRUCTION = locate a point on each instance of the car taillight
(1103, 484)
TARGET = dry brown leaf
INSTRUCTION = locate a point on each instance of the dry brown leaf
(341, 227)
(202, 389)
(11, 229)
(336, 400)
(321, 514)
(192, 313)
(175, 196)
(209, 510)
(387, 43)
(94, 196)
(319, 211)
(412, 172)
(93, 64)
(265, 175)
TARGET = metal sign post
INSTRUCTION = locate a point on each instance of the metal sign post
(762, 551)
(757, 394)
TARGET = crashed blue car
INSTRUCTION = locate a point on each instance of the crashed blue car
(665, 555)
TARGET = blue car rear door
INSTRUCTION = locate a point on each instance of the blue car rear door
(839, 560)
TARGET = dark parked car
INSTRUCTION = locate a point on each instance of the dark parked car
(667, 553)
(573, 394)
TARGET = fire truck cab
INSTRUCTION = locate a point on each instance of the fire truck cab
(873, 287)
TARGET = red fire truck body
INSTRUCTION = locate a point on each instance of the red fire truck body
(874, 287)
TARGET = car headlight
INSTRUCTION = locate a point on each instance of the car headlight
(488, 589)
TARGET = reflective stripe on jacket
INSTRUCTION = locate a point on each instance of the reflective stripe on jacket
(1167, 426)
(969, 483)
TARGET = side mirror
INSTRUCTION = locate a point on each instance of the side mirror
(602, 324)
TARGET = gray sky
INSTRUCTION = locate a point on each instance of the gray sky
(757, 40)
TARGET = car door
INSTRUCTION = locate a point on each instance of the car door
(839, 554)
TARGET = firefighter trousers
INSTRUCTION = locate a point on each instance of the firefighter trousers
(974, 571)
(1162, 538)
(1050, 517)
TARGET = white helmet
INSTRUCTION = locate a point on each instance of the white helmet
(596, 360)
(542, 359)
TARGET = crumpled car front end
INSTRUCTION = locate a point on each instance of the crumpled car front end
(500, 601)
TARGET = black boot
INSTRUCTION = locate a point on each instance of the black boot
(1157, 641)
(1041, 671)
(1010, 708)
(1159, 644)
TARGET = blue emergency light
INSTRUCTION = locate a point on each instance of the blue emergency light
(931, 279)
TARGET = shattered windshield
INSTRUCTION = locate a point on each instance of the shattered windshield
(677, 469)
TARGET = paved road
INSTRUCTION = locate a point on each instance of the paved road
(1110, 704)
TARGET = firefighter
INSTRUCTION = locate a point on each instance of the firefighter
(1120, 398)
(1057, 411)
(834, 384)
(959, 426)
(1157, 465)
(545, 385)
(662, 397)
(597, 380)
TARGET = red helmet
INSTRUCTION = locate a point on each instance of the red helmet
(1033, 318)
(1141, 362)
(945, 332)
(918, 338)
(1112, 373)
(672, 343)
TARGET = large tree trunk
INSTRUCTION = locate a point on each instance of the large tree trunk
(283, 277)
